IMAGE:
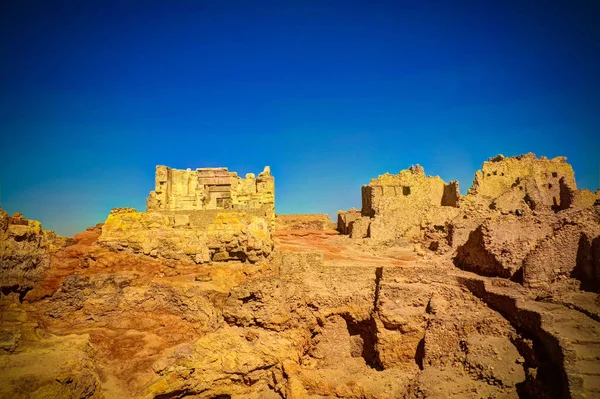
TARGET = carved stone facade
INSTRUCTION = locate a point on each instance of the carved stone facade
(210, 188)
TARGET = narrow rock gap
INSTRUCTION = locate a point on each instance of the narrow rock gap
(378, 275)
(367, 331)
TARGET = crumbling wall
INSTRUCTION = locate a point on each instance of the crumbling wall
(210, 188)
(570, 197)
(451, 194)
(195, 236)
(401, 205)
(521, 182)
(567, 253)
(499, 246)
(346, 219)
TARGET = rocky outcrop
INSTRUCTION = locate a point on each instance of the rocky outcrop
(195, 236)
(51, 367)
(25, 250)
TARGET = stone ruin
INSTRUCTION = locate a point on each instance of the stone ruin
(523, 219)
(205, 215)
(395, 206)
(210, 188)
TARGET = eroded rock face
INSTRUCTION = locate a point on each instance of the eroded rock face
(196, 236)
(25, 250)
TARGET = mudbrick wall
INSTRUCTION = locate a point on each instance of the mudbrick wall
(397, 205)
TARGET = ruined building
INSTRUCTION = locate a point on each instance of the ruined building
(397, 205)
(210, 188)
(410, 204)
(522, 182)
(202, 216)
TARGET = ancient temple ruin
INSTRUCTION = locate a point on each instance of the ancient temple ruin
(210, 188)
(202, 215)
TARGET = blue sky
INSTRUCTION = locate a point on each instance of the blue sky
(94, 94)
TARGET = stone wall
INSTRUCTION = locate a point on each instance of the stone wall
(210, 188)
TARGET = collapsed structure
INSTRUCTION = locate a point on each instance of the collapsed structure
(209, 214)
(397, 205)
(517, 210)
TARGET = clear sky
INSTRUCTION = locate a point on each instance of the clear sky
(94, 94)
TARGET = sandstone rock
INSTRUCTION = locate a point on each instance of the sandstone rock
(225, 364)
(25, 250)
(56, 367)
(200, 236)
